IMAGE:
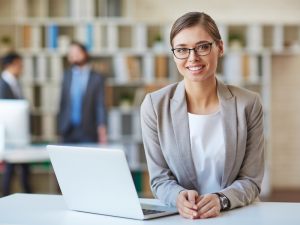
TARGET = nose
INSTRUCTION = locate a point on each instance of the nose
(193, 57)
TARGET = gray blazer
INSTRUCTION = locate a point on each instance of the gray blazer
(6, 91)
(93, 105)
(166, 139)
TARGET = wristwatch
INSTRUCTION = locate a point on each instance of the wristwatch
(223, 200)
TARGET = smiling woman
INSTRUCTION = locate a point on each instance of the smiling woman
(204, 140)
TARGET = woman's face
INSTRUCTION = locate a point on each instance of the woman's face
(197, 68)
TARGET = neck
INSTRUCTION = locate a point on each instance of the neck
(202, 96)
(12, 72)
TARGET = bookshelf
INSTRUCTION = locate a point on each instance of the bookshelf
(134, 56)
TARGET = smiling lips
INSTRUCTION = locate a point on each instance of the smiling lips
(196, 69)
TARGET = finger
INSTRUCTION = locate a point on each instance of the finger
(192, 195)
(211, 213)
(206, 199)
(182, 198)
(199, 198)
(206, 208)
(186, 210)
(185, 215)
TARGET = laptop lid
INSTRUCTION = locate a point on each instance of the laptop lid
(96, 180)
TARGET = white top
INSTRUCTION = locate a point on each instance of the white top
(13, 83)
(208, 150)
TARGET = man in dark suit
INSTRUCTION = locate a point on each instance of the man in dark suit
(10, 89)
(82, 114)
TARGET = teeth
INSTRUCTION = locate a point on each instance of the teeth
(195, 68)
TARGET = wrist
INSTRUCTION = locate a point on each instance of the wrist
(224, 201)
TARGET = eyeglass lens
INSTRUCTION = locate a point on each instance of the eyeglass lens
(201, 50)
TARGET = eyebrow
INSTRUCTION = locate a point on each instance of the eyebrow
(199, 42)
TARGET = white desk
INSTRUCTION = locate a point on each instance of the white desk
(50, 209)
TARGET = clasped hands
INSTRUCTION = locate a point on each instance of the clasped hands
(192, 206)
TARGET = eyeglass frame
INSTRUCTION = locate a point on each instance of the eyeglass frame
(210, 44)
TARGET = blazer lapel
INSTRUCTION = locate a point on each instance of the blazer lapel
(180, 123)
(229, 123)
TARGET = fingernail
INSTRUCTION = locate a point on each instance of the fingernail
(195, 207)
(195, 214)
(192, 202)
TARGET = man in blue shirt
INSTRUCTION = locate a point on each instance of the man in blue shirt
(82, 114)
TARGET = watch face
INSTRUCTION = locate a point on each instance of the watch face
(224, 202)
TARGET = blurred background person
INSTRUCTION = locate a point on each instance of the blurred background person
(82, 113)
(11, 89)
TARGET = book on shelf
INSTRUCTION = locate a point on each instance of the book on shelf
(50, 96)
(56, 68)
(161, 67)
(148, 67)
(28, 94)
(97, 37)
(52, 36)
(114, 124)
(250, 68)
(134, 68)
(233, 68)
(89, 37)
(36, 125)
(42, 68)
(140, 37)
(112, 37)
(127, 68)
(26, 37)
(138, 97)
(254, 37)
(36, 37)
(48, 129)
(28, 69)
(20, 8)
(63, 43)
(120, 68)
(136, 125)
(82, 9)
(133, 154)
(85, 35)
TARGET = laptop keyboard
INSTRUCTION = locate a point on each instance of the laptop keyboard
(150, 211)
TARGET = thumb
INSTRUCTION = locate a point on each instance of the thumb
(192, 196)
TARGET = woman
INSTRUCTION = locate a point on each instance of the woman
(204, 140)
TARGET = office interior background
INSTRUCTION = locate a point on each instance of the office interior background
(128, 41)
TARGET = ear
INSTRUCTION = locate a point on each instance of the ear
(220, 48)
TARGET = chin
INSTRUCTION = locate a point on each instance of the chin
(197, 78)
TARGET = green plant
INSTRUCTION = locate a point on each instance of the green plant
(126, 96)
(157, 38)
(234, 36)
(5, 40)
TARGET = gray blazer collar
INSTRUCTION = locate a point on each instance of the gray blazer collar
(222, 91)
(180, 123)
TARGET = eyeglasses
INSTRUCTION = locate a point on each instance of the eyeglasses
(200, 50)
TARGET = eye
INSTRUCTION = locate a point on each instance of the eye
(203, 47)
(181, 50)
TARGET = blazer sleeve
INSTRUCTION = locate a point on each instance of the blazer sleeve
(162, 181)
(62, 106)
(100, 103)
(247, 184)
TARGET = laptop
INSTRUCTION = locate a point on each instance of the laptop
(98, 180)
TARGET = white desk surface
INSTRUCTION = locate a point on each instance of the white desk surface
(36, 209)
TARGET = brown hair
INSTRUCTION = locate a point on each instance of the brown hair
(196, 18)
